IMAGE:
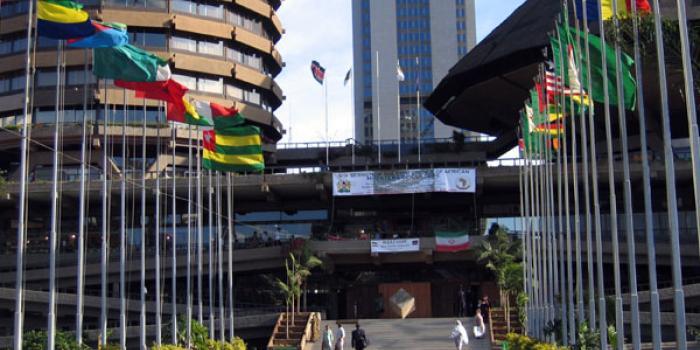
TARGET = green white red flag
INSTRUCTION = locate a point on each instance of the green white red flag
(451, 241)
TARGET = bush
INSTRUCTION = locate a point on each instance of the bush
(38, 340)
(523, 342)
(167, 347)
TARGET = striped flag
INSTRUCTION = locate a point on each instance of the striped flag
(232, 146)
(62, 19)
(451, 241)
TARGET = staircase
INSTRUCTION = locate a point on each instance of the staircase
(499, 327)
(303, 330)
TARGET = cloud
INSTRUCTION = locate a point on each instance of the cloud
(322, 31)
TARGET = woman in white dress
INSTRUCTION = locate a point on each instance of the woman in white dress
(340, 338)
(479, 327)
(459, 335)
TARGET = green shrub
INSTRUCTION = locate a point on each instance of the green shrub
(38, 340)
(523, 342)
(167, 347)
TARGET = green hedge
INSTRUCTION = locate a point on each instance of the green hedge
(521, 342)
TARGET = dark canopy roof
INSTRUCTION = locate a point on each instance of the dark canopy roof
(485, 90)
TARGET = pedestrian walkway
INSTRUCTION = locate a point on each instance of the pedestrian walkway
(410, 333)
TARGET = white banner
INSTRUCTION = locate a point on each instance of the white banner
(366, 183)
(394, 245)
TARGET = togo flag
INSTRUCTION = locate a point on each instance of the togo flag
(451, 241)
(233, 145)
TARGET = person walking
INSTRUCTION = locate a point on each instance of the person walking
(479, 325)
(462, 296)
(459, 335)
(485, 307)
(328, 338)
(359, 338)
(340, 338)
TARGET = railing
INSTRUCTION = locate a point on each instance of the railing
(352, 142)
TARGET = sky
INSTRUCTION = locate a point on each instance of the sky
(321, 30)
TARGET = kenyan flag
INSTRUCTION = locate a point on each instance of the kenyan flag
(451, 241)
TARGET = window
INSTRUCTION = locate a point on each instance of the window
(232, 91)
(147, 4)
(187, 81)
(4, 85)
(211, 48)
(215, 86)
(214, 11)
(147, 39)
(77, 77)
(181, 43)
(17, 83)
(46, 78)
(185, 6)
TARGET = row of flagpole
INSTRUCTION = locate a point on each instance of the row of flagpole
(81, 237)
(537, 194)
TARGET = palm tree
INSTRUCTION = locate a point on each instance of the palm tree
(499, 253)
(302, 267)
(289, 290)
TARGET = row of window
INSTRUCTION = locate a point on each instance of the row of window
(413, 11)
(44, 78)
(215, 48)
(414, 36)
(404, 50)
(217, 86)
(423, 24)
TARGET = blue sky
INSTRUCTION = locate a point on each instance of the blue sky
(322, 30)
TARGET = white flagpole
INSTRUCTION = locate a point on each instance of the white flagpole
(420, 132)
(200, 230)
(122, 228)
(142, 291)
(173, 267)
(106, 186)
(325, 99)
(189, 236)
(398, 116)
(21, 217)
(220, 256)
(379, 120)
(54, 210)
(231, 232)
(157, 233)
(210, 190)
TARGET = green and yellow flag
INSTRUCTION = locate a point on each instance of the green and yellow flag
(232, 146)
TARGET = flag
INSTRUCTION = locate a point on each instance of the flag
(169, 91)
(62, 19)
(595, 44)
(106, 35)
(451, 241)
(624, 8)
(347, 77)
(208, 111)
(399, 73)
(232, 145)
(184, 113)
(129, 63)
(318, 72)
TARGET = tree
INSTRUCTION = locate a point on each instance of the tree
(499, 253)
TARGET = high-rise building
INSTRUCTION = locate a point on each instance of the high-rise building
(424, 37)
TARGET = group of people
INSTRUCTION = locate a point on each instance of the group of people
(459, 333)
(336, 341)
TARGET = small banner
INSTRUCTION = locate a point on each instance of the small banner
(451, 241)
(394, 245)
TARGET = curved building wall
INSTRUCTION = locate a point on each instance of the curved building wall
(223, 51)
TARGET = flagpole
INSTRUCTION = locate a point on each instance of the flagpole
(379, 120)
(173, 267)
(325, 103)
(691, 111)
(54, 209)
(220, 254)
(200, 230)
(157, 229)
(420, 131)
(671, 198)
(105, 205)
(528, 239)
(143, 231)
(602, 317)
(627, 188)
(21, 218)
(566, 322)
(189, 236)
(648, 218)
(398, 115)
(210, 228)
(586, 189)
(230, 178)
(122, 228)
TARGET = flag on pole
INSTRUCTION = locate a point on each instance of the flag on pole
(629, 85)
(62, 19)
(347, 77)
(191, 115)
(399, 73)
(624, 8)
(105, 35)
(129, 63)
(232, 145)
(318, 72)
(451, 241)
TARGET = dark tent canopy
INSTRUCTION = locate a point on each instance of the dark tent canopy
(485, 90)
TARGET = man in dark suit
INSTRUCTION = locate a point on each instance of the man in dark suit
(359, 339)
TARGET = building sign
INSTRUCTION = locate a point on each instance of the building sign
(394, 245)
(364, 183)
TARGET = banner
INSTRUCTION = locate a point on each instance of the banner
(395, 245)
(365, 183)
